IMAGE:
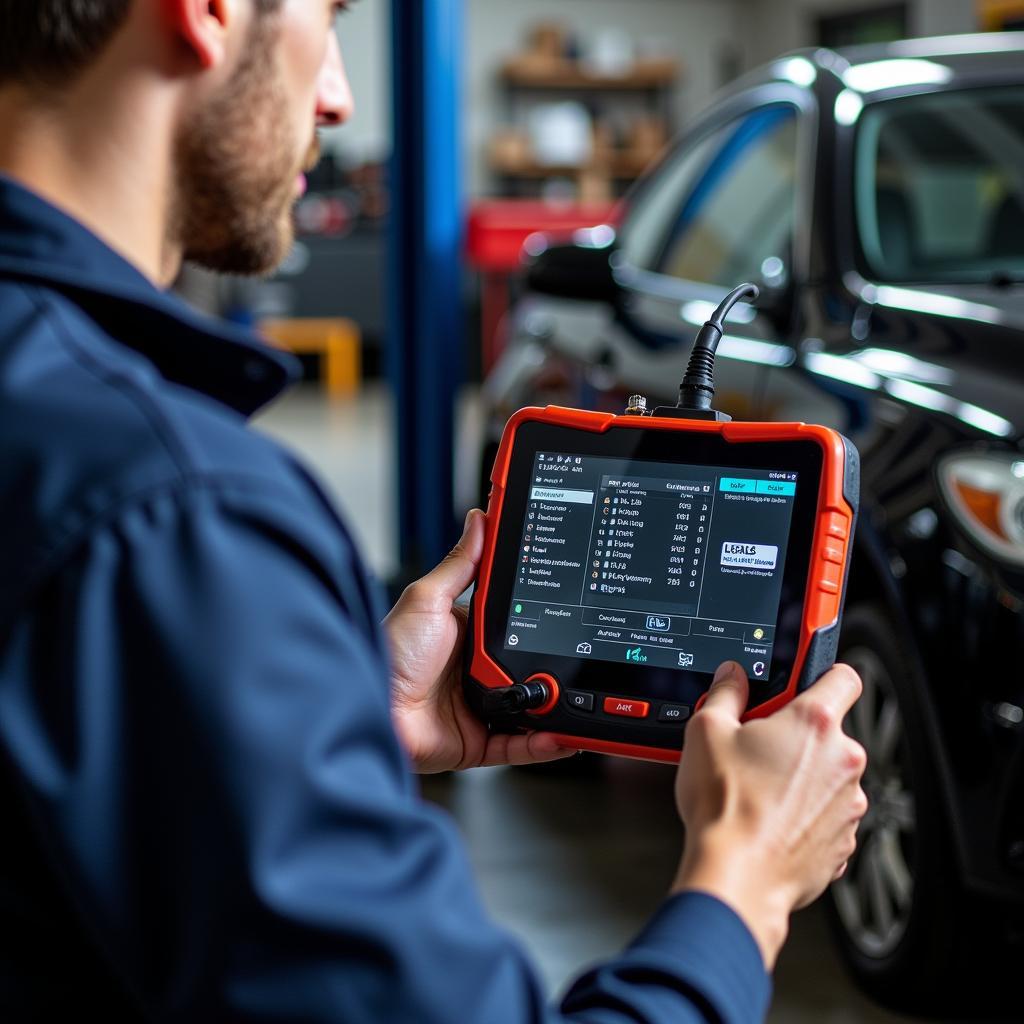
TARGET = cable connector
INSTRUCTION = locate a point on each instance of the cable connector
(510, 700)
(697, 390)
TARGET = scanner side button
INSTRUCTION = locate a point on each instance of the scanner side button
(837, 525)
(834, 552)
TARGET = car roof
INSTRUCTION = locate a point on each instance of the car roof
(1001, 48)
(955, 61)
(967, 60)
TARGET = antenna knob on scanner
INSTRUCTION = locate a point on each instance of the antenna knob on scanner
(636, 406)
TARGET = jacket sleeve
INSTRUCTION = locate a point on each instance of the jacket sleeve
(202, 731)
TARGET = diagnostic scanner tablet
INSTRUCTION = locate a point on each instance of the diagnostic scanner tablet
(626, 557)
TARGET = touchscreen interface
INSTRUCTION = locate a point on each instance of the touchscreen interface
(664, 564)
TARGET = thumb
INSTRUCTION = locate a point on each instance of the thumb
(459, 567)
(729, 691)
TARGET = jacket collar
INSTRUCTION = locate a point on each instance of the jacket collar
(41, 244)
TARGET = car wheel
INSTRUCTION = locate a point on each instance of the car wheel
(904, 928)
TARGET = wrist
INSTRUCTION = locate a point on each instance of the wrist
(727, 868)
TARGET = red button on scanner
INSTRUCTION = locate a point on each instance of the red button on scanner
(629, 708)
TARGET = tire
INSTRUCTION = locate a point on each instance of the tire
(906, 931)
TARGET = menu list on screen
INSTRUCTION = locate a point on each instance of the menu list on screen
(651, 563)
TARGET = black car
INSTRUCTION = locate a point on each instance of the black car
(876, 195)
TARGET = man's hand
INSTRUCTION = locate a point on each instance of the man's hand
(426, 629)
(771, 807)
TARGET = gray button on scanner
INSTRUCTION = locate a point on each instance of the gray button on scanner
(579, 700)
(673, 713)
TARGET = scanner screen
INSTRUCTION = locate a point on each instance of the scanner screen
(651, 563)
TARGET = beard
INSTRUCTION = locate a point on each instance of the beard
(236, 169)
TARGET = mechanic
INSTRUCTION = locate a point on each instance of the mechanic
(206, 732)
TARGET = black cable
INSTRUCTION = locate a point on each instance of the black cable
(698, 387)
(509, 700)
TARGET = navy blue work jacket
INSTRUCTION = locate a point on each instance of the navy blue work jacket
(206, 815)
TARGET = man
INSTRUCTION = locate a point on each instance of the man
(208, 813)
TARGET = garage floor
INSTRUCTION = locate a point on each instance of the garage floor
(572, 858)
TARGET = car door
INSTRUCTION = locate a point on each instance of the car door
(724, 208)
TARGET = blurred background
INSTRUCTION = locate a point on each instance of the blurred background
(494, 147)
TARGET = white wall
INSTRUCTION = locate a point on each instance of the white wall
(944, 17)
(365, 37)
(780, 25)
(698, 32)
(702, 33)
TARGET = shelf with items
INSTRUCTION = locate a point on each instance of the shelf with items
(608, 165)
(588, 121)
(660, 73)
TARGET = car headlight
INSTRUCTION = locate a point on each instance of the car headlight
(985, 491)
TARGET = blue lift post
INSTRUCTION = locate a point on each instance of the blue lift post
(425, 356)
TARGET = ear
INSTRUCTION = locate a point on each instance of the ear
(203, 26)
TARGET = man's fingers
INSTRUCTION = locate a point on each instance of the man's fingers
(533, 748)
(837, 690)
(458, 570)
(729, 691)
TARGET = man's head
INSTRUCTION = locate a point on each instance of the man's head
(49, 41)
(255, 78)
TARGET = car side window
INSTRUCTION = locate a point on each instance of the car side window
(642, 237)
(735, 220)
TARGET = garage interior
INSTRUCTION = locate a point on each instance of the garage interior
(571, 858)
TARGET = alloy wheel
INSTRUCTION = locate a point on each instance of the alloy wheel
(874, 897)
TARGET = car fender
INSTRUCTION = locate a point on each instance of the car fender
(877, 575)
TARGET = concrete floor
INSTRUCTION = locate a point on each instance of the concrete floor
(574, 861)
(571, 858)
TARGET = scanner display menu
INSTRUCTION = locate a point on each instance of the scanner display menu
(651, 563)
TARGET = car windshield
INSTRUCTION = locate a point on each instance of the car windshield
(940, 187)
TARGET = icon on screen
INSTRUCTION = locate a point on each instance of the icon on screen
(660, 622)
(635, 654)
(685, 659)
(519, 609)
(584, 648)
(759, 633)
(759, 668)
(513, 640)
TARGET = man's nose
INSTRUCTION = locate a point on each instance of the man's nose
(334, 102)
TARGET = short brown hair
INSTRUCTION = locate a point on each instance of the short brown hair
(51, 41)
